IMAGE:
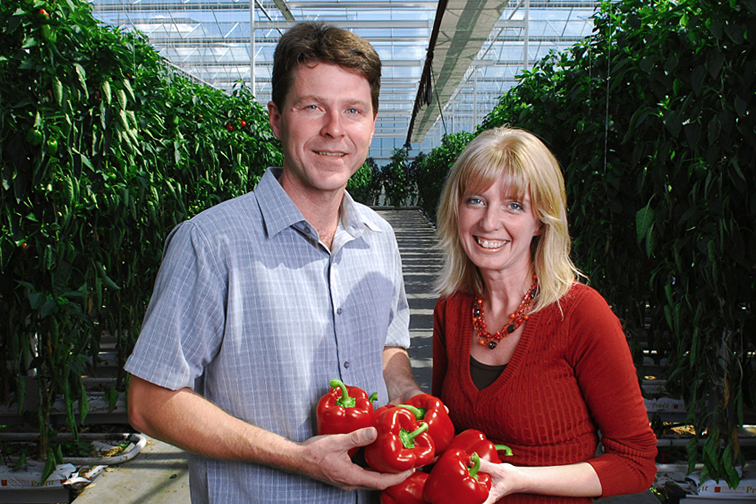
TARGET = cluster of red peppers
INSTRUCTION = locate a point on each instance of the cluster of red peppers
(410, 436)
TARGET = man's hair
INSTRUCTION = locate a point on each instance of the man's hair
(526, 165)
(310, 43)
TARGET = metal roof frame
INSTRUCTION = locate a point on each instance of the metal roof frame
(445, 63)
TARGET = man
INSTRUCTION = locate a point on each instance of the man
(262, 300)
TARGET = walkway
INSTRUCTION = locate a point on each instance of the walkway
(159, 475)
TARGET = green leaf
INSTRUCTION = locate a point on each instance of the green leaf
(111, 396)
(741, 106)
(697, 78)
(121, 97)
(83, 402)
(106, 91)
(82, 74)
(58, 91)
(650, 241)
(714, 129)
(644, 219)
(673, 123)
(29, 42)
(21, 392)
(129, 89)
(50, 466)
(647, 64)
(106, 280)
(21, 461)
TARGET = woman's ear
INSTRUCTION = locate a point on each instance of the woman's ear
(539, 229)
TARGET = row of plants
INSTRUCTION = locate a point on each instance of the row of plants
(653, 121)
(104, 149)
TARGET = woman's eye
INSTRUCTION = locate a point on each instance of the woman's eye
(474, 201)
(515, 206)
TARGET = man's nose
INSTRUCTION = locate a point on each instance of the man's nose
(333, 124)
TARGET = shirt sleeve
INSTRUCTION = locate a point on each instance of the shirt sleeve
(183, 326)
(607, 377)
(398, 330)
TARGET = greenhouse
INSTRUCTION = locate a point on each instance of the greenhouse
(438, 251)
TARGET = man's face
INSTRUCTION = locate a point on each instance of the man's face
(325, 127)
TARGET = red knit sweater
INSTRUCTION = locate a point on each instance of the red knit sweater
(571, 376)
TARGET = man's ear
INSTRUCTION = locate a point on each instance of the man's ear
(274, 117)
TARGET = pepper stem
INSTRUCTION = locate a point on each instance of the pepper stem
(418, 412)
(506, 449)
(344, 400)
(475, 461)
(408, 438)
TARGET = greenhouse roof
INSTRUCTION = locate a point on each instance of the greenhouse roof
(444, 63)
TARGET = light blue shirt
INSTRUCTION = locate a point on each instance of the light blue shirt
(254, 313)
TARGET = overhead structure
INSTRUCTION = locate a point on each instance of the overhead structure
(444, 63)
(461, 29)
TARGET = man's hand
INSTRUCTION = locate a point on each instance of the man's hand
(326, 459)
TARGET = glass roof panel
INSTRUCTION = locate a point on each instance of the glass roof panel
(211, 41)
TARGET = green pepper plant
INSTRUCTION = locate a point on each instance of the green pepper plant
(104, 149)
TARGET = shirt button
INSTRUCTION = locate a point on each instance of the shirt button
(346, 364)
(338, 311)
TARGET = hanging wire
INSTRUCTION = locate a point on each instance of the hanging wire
(438, 99)
(608, 75)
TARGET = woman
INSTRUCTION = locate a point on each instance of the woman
(521, 350)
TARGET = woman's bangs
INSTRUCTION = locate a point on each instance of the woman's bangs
(481, 173)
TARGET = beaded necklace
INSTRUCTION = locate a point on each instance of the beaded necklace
(516, 319)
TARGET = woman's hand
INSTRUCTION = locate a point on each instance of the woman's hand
(505, 479)
(572, 480)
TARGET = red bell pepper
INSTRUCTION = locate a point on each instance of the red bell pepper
(452, 480)
(473, 440)
(402, 443)
(433, 412)
(410, 491)
(344, 409)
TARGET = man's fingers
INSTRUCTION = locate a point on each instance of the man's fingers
(363, 437)
(382, 481)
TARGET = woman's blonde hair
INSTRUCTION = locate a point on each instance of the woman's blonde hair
(525, 165)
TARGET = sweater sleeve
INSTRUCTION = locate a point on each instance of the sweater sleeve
(607, 377)
(440, 356)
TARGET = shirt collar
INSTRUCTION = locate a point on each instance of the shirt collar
(279, 211)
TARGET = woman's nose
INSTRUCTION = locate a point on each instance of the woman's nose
(490, 219)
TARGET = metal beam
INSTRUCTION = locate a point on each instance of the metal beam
(281, 4)
(162, 5)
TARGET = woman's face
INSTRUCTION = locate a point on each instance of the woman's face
(496, 228)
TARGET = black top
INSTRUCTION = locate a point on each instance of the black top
(484, 375)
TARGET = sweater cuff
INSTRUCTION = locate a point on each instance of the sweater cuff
(617, 478)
